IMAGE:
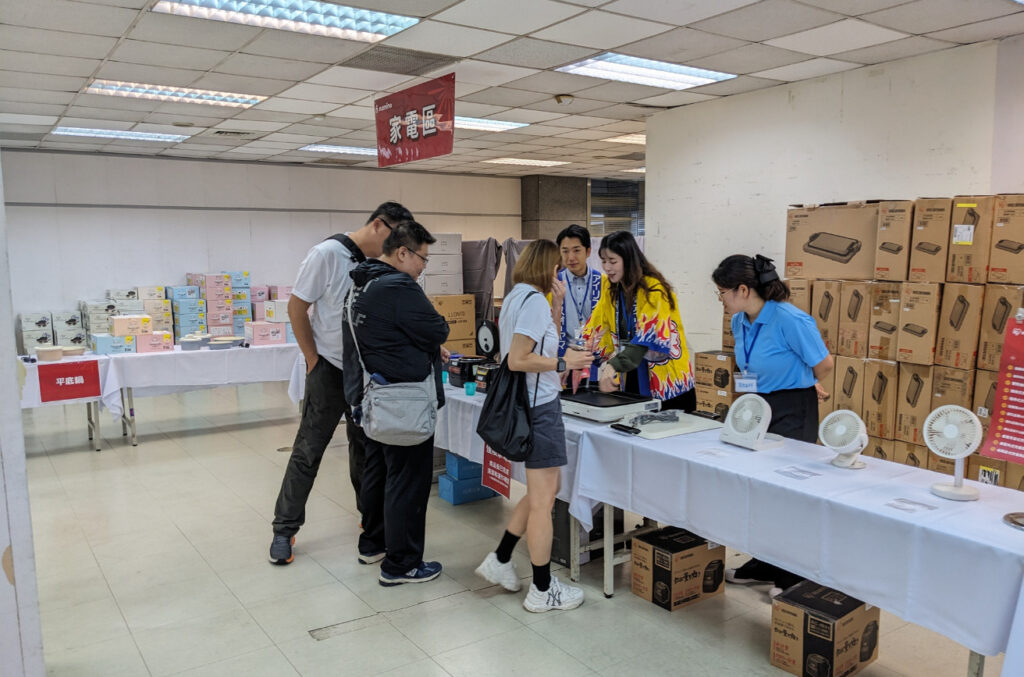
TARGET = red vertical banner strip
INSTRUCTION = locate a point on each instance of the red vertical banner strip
(416, 123)
(1006, 429)
(497, 474)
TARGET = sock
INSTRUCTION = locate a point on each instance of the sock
(505, 548)
(542, 576)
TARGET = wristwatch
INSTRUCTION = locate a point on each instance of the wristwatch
(561, 365)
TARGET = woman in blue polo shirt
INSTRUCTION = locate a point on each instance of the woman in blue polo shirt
(781, 356)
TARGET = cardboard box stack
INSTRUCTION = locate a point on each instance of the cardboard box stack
(714, 373)
(34, 329)
(460, 482)
(68, 329)
(443, 274)
(460, 312)
(215, 289)
(188, 309)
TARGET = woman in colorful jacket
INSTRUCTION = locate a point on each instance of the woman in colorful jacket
(635, 327)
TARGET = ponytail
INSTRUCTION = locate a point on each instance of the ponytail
(757, 273)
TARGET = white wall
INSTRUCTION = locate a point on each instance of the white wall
(79, 224)
(720, 174)
(1008, 145)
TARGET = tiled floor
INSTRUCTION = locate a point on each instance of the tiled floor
(152, 561)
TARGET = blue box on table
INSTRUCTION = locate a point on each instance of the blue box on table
(182, 292)
(289, 335)
(239, 278)
(185, 306)
(458, 492)
(462, 468)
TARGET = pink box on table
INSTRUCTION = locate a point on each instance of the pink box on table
(155, 342)
(279, 292)
(257, 311)
(259, 293)
(264, 333)
(220, 317)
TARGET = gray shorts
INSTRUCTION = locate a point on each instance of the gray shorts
(548, 436)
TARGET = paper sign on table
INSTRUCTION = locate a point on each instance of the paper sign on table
(497, 474)
(69, 380)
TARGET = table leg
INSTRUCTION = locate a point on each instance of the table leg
(609, 550)
(975, 665)
(131, 416)
(124, 420)
(92, 417)
(574, 549)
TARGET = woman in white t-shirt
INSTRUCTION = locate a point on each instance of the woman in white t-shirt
(530, 341)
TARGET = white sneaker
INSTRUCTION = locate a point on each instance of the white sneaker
(493, 571)
(557, 596)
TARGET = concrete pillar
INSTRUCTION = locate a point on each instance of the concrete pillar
(550, 203)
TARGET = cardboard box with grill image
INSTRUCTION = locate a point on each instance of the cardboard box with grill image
(957, 344)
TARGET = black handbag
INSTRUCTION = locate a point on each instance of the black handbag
(505, 423)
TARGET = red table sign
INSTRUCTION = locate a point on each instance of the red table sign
(69, 380)
(416, 123)
(1006, 429)
(497, 473)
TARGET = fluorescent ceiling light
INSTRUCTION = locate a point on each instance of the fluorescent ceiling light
(300, 16)
(525, 162)
(612, 66)
(344, 150)
(119, 134)
(487, 125)
(638, 170)
(138, 90)
(639, 139)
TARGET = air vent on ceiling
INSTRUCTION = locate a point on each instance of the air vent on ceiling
(234, 134)
(336, 162)
(630, 156)
(401, 61)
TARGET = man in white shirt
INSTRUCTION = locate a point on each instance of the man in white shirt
(581, 286)
(323, 282)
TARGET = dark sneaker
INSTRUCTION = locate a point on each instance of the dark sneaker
(753, 572)
(371, 558)
(281, 549)
(426, 571)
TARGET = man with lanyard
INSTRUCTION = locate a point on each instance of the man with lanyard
(581, 287)
(323, 282)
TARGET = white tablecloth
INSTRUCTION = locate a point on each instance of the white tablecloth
(30, 397)
(877, 534)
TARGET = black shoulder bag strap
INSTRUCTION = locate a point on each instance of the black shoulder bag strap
(536, 384)
(357, 254)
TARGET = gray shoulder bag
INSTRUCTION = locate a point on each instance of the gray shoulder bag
(400, 414)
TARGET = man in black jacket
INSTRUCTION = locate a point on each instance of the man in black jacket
(399, 335)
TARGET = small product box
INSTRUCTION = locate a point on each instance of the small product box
(36, 337)
(289, 335)
(130, 325)
(914, 402)
(715, 369)
(241, 309)
(257, 311)
(129, 294)
(827, 295)
(129, 306)
(66, 319)
(221, 330)
(276, 311)
(459, 310)
(190, 318)
(885, 318)
(819, 631)
(919, 319)
(1001, 304)
(461, 346)
(210, 282)
(155, 342)
(675, 568)
(70, 337)
(443, 264)
(435, 285)
(98, 322)
(36, 321)
(970, 238)
(259, 293)
(157, 306)
(105, 344)
(238, 325)
(914, 455)
(97, 307)
(182, 292)
(240, 295)
(185, 331)
(848, 391)
(279, 292)
(892, 251)
(461, 468)
(220, 317)
(854, 319)
(151, 293)
(881, 386)
(239, 278)
(800, 293)
(929, 243)
(987, 470)
(714, 400)
(960, 325)
(216, 295)
(264, 333)
(952, 386)
(446, 243)
(1006, 261)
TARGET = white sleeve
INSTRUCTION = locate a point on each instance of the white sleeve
(534, 319)
(311, 282)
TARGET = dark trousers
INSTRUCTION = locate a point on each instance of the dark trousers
(396, 486)
(323, 406)
(686, 402)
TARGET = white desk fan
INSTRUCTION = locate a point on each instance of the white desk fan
(844, 432)
(746, 424)
(953, 432)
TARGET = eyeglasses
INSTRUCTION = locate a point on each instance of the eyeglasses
(722, 292)
(426, 259)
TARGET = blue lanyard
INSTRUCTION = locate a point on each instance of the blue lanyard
(586, 293)
(627, 315)
(748, 346)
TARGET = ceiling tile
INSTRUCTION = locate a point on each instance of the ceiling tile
(527, 115)
(681, 45)
(768, 19)
(519, 17)
(854, 7)
(407, 7)
(440, 38)
(484, 73)
(288, 45)
(25, 119)
(675, 99)
(578, 122)
(749, 59)
(270, 116)
(62, 83)
(292, 138)
(621, 92)
(61, 15)
(626, 111)
(504, 96)
(174, 108)
(807, 69)
(841, 36)
(362, 135)
(477, 110)
(160, 54)
(268, 67)
(46, 63)
(465, 88)
(536, 53)
(311, 92)
(167, 129)
(183, 30)
(35, 95)
(7, 106)
(676, 12)
(891, 51)
(10, 143)
(553, 82)
(237, 125)
(984, 30)
(601, 30)
(356, 112)
(41, 41)
(926, 16)
(358, 78)
(554, 142)
(623, 127)
(295, 105)
(107, 113)
(578, 105)
(153, 75)
(737, 85)
(541, 130)
(94, 123)
(271, 145)
(166, 119)
(239, 84)
(321, 128)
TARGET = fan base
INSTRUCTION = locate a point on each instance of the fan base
(855, 465)
(955, 493)
(1015, 520)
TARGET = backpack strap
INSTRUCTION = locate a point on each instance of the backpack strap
(357, 254)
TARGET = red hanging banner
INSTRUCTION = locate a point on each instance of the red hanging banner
(1006, 430)
(497, 473)
(69, 380)
(416, 123)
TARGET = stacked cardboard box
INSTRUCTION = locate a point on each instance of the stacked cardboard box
(215, 289)
(34, 329)
(714, 372)
(443, 274)
(460, 312)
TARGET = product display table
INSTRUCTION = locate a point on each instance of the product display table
(31, 397)
(878, 534)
